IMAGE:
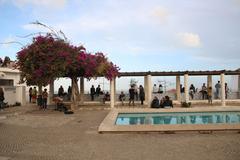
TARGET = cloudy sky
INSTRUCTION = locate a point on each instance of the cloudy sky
(137, 35)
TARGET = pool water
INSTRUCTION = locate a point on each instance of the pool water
(178, 118)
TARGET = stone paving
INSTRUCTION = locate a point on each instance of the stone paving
(29, 134)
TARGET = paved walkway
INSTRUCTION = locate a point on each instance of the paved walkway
(29, 134)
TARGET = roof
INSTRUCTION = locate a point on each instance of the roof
(180, 73)
(8, 70)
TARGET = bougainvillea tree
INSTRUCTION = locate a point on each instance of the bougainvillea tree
(35, 61)
(48, 58)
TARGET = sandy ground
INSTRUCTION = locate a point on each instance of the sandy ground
(29, 134)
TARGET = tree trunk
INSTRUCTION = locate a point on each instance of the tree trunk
(39, 89)
(39, 95)
(75, 93)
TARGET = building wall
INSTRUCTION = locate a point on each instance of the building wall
(16, 92)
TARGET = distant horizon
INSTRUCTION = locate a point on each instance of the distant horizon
(123, 84)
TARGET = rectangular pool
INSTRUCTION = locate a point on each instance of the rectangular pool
(174, 118)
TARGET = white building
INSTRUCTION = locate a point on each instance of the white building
(13, 91)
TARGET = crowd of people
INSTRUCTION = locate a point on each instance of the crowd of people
(165, 102)
(135, 93)
(158, 89)
(207, 92)
(37, 97)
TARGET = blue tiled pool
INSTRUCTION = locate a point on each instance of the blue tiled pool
(164, 118)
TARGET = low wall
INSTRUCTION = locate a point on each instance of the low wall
(14, 94)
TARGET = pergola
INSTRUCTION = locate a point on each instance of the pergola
(148, 83)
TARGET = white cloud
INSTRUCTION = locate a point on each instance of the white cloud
(7, 41)
(40, 3)
(189, 39)
(161, 14)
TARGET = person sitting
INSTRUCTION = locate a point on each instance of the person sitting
(59, 104)
(155, 103)
(122, 97)
(106, 97)
(162, 102)
(167, 103)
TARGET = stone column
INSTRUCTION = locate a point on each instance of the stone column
(209, 81)
(149, 91)
(146, 89)
(178, 92)
(222, 78)
(51, 92)
(186, 95)
(81, 90)
(112, 93)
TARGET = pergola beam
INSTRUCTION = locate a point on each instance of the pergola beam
(180, 73)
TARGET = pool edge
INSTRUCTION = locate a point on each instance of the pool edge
(108, 124)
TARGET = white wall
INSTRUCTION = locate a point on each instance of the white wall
(17, 92)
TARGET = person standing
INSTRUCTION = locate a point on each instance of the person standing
(60, 91)
(181, 89)
(192, 91)
(226, 90)
(30, 94)
(136, 91)
(141, 94)
(204, 91)
(210, 95)
(69, 92)
(92, 92)
(155, 89)
(1, 98)
(34, 95)
(160, 89)
(122, 97)
(44, 99)
(98, 90)
(131, 95)
(217, 86)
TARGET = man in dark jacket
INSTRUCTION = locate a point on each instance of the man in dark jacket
(131, 95)
(92, 92)
(167, 102)
(1, 98)
(155, 103)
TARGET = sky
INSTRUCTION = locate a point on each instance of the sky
(137, 35)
